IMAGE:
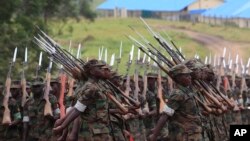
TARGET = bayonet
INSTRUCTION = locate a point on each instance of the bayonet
(112, 60)
(78, 51)
(206, 60)
(6, 114)
(120, 50)
(106, 55)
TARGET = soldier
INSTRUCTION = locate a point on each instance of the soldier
(116, 120)
(40, 125)
(12, 132)
(181, 109)
(149, 120)
(92, 104)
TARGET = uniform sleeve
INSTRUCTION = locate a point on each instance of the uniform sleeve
(151, 100)
(54, 105)
(175, 99)
(87, 93)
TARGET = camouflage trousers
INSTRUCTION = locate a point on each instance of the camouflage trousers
(97, 137)
(185, 137)
(117, 133)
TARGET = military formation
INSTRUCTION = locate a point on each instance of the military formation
(174, 99)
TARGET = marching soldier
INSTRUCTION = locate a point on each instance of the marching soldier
(181, 109)
(92, 104)
(12, 132)
(40, 126)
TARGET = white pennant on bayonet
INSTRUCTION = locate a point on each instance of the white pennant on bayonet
(40, 59)
(224, 52)
(206, 60)
(78, 51)
(112, 60)
(144, 58)
(120, 50)
(14, 56)
(99, 54)
(26, 55)
(149, 57)
(230, 64)
(210, 59)
(138, 54)
(248, 63)
(106, 55)
(132, 53)
(237, 59)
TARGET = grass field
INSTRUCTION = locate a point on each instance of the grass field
(109, 33)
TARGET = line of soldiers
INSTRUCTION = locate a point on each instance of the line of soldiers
(97, 112)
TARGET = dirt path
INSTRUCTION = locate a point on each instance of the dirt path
(215, 43)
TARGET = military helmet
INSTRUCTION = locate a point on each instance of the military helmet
(151, 75)
(179, 69)
(193, 64)
(93, 63)
(37, 81)
(16, 84)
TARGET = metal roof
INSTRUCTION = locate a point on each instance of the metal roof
(230, 9)
(150, 5)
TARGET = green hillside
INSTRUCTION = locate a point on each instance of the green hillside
(109, 33)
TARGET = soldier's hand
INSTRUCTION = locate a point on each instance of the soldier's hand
(58, 130)
(58, 122)
(151, 138)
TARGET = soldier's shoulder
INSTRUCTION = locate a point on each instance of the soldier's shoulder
(177, 94)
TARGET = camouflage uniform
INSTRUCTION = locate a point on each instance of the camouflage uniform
(149, 121)
(96, 113)
(41, 126)
(117, 124)
(13, 132)
(185, 124)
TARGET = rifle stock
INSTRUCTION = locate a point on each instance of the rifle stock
(6, 114)
(71, 87)
(24, 92)
(47, 107)
(62, 91)
(159, 93)
(145, 87)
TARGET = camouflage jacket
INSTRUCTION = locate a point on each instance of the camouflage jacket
(96, 114)
(186, 117)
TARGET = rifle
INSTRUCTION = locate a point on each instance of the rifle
(6, 114)
(71, 87)
(23, 80)
(39, 64)
(159, 92)
(118, 60)
(63, 78)
(47, 107)
(145, 88)
(127, 83)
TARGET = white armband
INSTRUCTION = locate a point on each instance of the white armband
(57, 111)
(80, 107)
(68, 109)
(26, 119)
(169, 111)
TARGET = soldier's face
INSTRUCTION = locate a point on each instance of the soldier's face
(196, 74)
(184, 79)
(37, 89)
(106, 73)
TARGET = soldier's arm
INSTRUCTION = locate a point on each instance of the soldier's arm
(16, 112)
(75, 111)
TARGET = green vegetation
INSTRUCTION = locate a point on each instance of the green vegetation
(109, 33)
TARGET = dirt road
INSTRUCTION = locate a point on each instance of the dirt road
(215, 43)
